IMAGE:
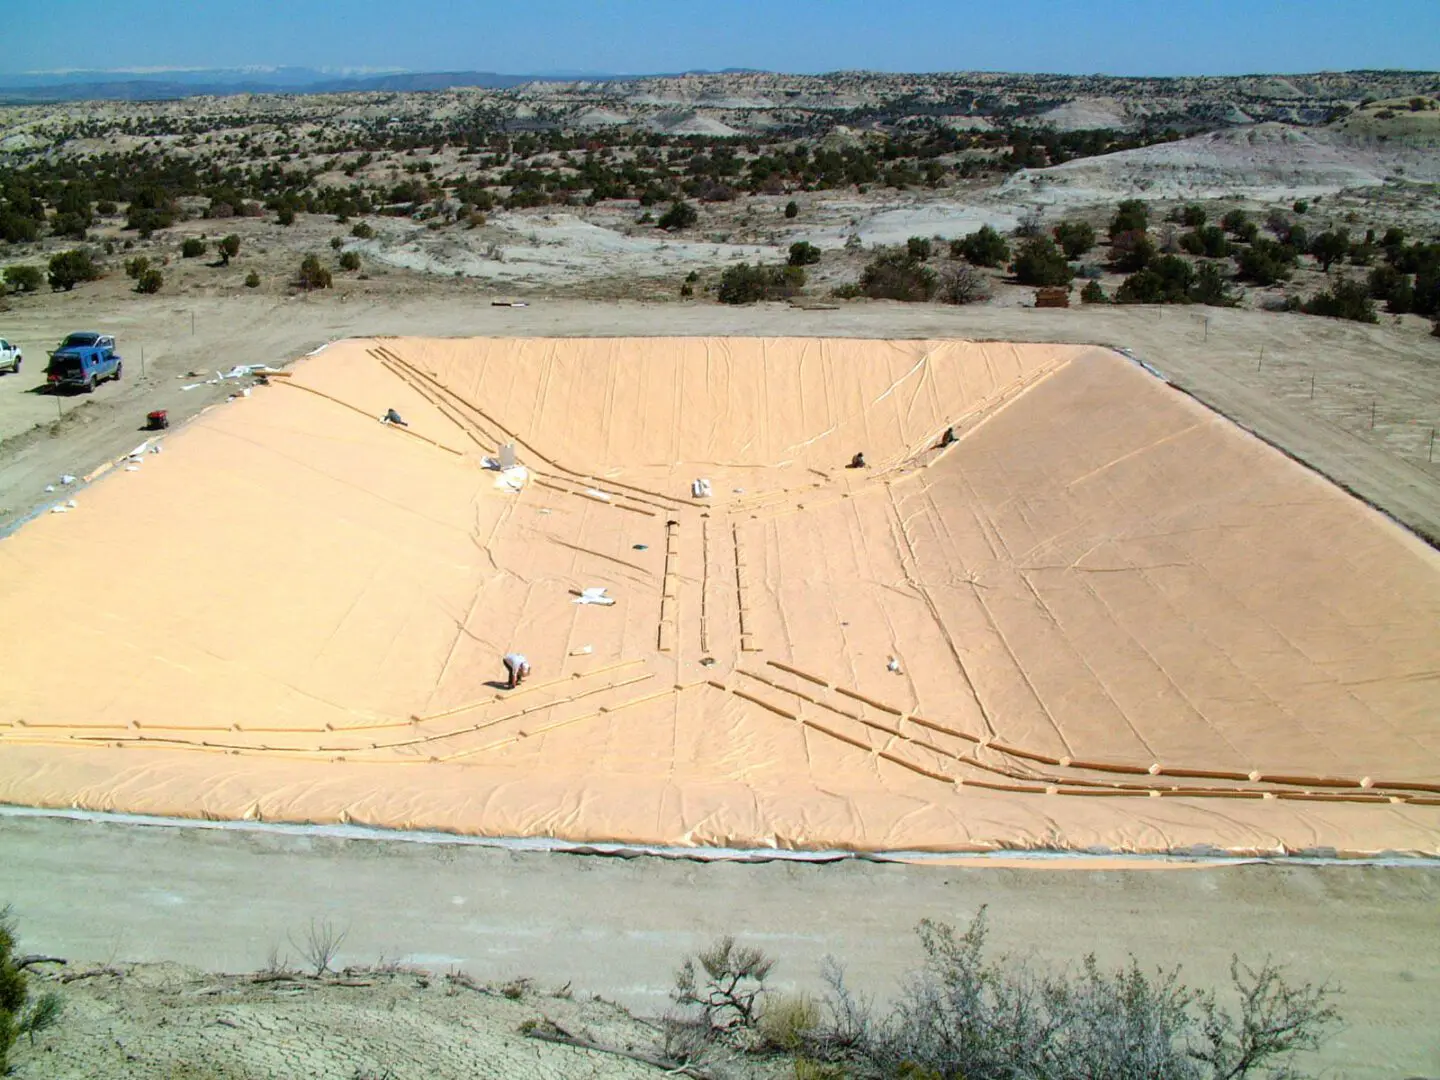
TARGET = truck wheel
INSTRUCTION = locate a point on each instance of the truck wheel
(118, 368)
(89, 386)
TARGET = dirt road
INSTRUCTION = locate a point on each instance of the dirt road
(1255, 367)
(618, 927)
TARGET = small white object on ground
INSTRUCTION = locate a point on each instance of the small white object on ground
(512, 479)
(594, 595)
(597, 493)
(893, 665)
(490, 463)
(700, 489)
(507, 456)
(67, 479)
(132, 468)
(584, 650)
(49, 487)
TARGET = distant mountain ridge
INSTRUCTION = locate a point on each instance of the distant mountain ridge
(37, 88)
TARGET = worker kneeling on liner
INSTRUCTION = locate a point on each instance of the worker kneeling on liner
(517, 667)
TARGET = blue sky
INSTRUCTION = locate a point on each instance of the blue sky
(1124, 37)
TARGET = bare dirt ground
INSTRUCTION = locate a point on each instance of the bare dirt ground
(1366, 424)
(224, 900)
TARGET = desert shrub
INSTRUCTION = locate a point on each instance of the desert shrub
(1238, 224)
(150, 281)
(311, 274)
(1030, 223)
(1040, 262)
(1211, 288)
(336, 243)
(1344, 299)
(1093, 293)
(20, 1014)
(727, 987)
(1132, 215)
(1207, 240)
(1265, 262)
(681, 215)
(1192, 216)
(804, 253)
(136, 266)
(961, 284)
(792, 209)
(787, 1020)
(746, 284)
(228, 248)
(192, 248)
(897, 275)
(24, 278)
(984, 247)
(70, 268)
(1075, 238)
(252, 280)
(105, 208)
(1300, 206)
(1166, 280)
(350, 260)
(919, 248)
(964, 1015)
(1131, 251)
(361, 231)
(285, 215)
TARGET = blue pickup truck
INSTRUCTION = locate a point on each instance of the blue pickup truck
(82, 361)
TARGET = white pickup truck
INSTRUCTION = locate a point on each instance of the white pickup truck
(9, 356)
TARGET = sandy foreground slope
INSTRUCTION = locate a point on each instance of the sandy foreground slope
(1118, 620)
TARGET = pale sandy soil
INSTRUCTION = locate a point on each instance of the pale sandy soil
(221, 901)
(166, 1022)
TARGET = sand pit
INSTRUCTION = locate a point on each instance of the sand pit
(1118, 621)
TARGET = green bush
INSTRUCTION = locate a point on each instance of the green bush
(897, 275)
(1132, 215)
(192, 248)
(681, 215)
(1238, 224)
(24, 278)
(984, 247)
(285, 215)
(1166, 280)
(919, 248)
(19, 1013)
(1265, 262)
(1192, 216)
(804, 253)
(149, 281)
(1211, 288)
(1343, 300)
(312, 275)
(136, 266)
(1092, 293)
(792, 209)
(746, 284)
(228, 248)
(1131, 251)
(1075, 238)
(350, 260)
(1330, 246)
(252, 280)
(70, 268)
(362, 231)
(1040, 262)
(1207, 240)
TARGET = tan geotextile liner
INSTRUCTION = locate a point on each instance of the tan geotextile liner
(1118, 621)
